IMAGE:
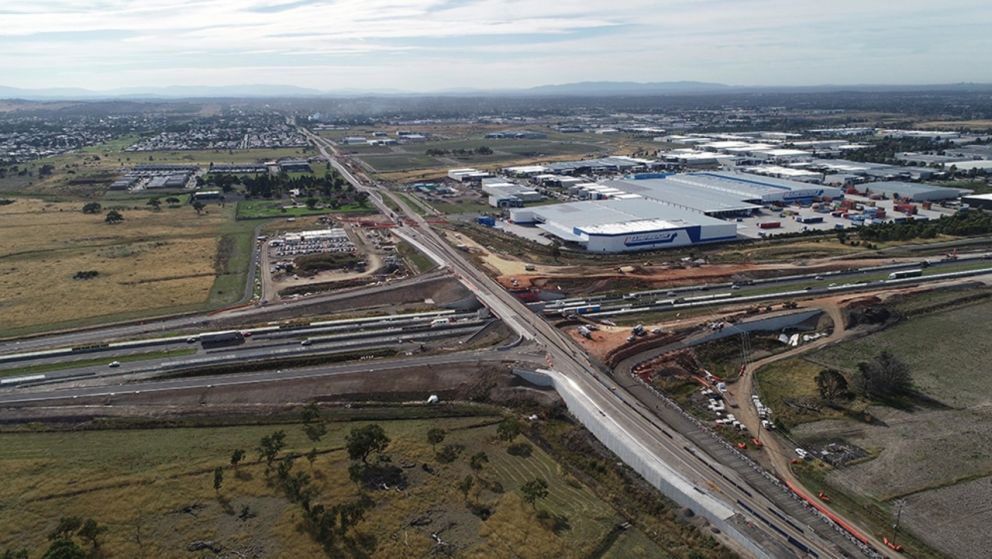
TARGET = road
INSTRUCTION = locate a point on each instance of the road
(261, 377)
(199, 322)
(626, 416)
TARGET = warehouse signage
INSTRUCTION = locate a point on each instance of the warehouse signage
(660, 237)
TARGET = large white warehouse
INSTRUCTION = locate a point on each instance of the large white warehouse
(625, 225)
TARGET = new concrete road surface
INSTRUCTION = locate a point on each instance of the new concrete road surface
(627, 426)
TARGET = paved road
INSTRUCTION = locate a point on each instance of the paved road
(197, 322)
(22, 397)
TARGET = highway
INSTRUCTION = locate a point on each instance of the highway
(622, 415)
(198, 322)
(327, 340)
(667, 456)
(68, 394)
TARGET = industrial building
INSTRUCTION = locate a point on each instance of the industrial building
(467, 175)
(616, 164)
(629, 225)
(239, 169)
(912, 191)
(295, 166)
(504, 194)
(730, 187)
(981, 201)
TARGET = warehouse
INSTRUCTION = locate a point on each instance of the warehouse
(746, 187)
(711, 202)
(912, 191)
(619, 225)
(617, 164)
(295, 166)
(509, 195)
(981, 201)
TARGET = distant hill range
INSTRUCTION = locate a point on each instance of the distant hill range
(580, 89)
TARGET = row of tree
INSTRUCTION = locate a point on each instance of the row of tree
(959, 224)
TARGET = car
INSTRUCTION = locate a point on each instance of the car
(735, 286)
(818, 278)
(192, 339)
(246, 334)
(306, 342)
(114, 364)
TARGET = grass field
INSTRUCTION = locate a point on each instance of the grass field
(949, 366)
(935, 454)
(416, 259)
(153, 260)
(268, 209)
(160, 484)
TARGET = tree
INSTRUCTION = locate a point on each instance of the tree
(67, 526)
(508, 429)
(198, 206)
(555, 250)
(15, 554)
(236, 457)
(313, 424)
(90, 532)
(466, 485)
(435, 437)
(155, 204)
(478, 460)
(172, 201)
(884, 376)
(269, 447)
(92, 208)
(312, 456)
(218, 478)
(114, 217)
(364, 441)
(534, 490)
(64, 549)
(831, 384)
(311, 202)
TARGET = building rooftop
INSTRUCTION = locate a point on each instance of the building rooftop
(676, 191)
(620, 216)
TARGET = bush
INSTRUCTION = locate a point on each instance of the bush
(449, 453)
(523, 450)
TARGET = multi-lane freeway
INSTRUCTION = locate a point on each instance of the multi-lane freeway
(640, 436)
(667, 453)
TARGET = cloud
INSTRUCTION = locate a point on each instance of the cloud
(432, 44)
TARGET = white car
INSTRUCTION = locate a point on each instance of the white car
(114, 364)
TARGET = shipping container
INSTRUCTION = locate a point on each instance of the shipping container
(770, 225)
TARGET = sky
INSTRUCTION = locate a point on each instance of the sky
(430, 45)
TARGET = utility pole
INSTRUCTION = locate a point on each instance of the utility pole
(895, 525)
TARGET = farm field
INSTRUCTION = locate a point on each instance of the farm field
(161, 484)
(153, 260)
(932, 453)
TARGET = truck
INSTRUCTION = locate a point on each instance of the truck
(809, 218)
(229, 337)
(906, 274)
(770, 225)
(908, 209)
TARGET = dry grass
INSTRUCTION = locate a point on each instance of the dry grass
(150, 476)
(152, 260)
